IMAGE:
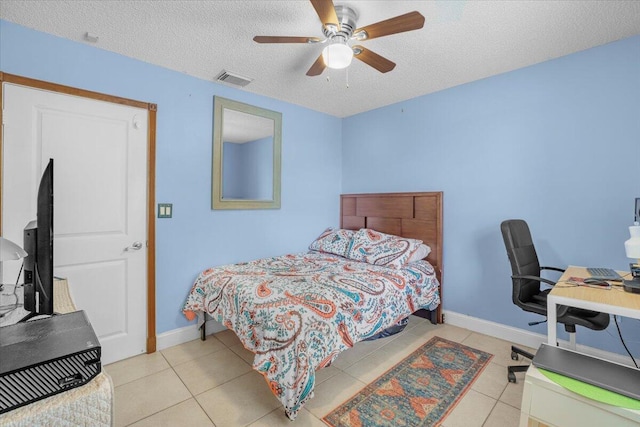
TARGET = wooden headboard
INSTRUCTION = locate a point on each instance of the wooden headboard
(411, 215)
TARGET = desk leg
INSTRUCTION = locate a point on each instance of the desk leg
(552, 320)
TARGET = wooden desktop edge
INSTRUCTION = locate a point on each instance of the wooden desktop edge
(612, 300)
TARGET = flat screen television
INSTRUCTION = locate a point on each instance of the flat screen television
(38, 243)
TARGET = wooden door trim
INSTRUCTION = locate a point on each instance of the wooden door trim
(151, 176)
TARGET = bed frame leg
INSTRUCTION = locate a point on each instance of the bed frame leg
(430, 315)
(433, 316)
(203, 330)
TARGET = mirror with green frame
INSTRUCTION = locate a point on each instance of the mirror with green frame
(247, 143)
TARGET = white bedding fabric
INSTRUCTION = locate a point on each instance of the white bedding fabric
(90, 405)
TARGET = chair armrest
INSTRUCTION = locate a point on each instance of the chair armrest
(561, 309)
(553, 268)
(542, 297)
(539, 279)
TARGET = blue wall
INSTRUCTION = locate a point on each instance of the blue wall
(522, 144)
(248, 170)
(232, 178)
(557, 144)
(197, 237)
(258, 155)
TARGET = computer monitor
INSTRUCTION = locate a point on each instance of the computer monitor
(38, 243)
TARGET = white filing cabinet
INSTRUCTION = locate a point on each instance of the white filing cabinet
(547, 404)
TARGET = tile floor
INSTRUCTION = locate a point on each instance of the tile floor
(211, 383)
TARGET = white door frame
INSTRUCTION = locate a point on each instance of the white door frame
(151, 177)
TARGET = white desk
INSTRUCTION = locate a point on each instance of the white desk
(612, 301)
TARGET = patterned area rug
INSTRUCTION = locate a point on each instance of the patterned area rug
(419, 391)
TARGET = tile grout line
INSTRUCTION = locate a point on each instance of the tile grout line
(168, 407)
(495, 403)
(190, 392)
(388, 345)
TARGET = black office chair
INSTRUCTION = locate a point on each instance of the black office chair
(528, 295)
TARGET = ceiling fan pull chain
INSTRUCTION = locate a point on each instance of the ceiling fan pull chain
(347, 78)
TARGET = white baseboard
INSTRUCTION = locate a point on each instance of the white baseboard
(186, 334)
(507, 333)
(522, 337)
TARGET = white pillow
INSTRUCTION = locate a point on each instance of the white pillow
(422, 252)
(333, 241)
(378, 248)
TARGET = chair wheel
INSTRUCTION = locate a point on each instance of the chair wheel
(514, 356)
(512, 377)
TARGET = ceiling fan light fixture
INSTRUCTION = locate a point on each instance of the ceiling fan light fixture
(337, 55)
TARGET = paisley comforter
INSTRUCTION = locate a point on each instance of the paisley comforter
(296, 313)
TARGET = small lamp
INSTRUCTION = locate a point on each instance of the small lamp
(632, 249)
(337, 55)
(9, 251)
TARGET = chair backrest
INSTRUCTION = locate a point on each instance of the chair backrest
(524, 261)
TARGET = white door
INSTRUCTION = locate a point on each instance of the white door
(100, 172)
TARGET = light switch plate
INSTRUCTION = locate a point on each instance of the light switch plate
(165, 210)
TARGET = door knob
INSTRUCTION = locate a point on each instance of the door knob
(135, 247)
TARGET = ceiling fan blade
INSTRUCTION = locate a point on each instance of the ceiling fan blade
(317, 68)
(326, 12)
(285, 39)
(372, 59)
(407, 22)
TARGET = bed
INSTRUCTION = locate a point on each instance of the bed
(412, 215)
(297, 312)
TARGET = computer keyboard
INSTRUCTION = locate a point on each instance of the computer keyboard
(604, 274)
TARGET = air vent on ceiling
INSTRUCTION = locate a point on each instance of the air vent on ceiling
(233, 79)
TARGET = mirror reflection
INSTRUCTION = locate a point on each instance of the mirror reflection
(246, 156)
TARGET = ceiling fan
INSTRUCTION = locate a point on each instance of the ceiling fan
(338, 27)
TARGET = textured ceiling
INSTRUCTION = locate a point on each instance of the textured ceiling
(461, 41)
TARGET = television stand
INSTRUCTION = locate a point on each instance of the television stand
(13, 310)
(32, 315)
